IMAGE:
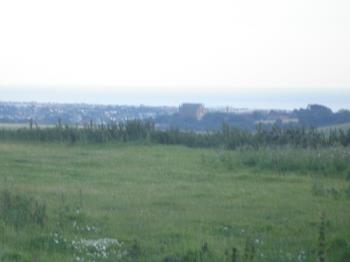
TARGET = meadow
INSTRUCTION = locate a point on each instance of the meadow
(137, 201)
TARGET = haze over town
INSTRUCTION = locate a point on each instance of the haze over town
(252, 54)
(253, 98)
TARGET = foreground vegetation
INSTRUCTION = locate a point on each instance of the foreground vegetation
(137, 201)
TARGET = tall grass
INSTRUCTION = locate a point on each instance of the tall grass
(228, 137)
(324, 161)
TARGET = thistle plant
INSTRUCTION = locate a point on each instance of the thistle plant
(322, 240)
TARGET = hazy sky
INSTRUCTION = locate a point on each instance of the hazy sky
(161, 47)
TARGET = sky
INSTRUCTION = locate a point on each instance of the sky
(243, 53)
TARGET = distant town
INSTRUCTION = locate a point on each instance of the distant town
(188, 116)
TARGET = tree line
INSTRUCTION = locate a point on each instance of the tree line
(144, 130)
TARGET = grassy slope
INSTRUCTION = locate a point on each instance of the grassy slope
(170, 200)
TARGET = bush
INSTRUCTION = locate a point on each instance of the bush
(20, 211)
(339, 250)
(13, 257)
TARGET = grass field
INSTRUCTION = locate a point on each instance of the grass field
(165, 203)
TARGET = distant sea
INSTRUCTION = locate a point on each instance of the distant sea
(291, 98)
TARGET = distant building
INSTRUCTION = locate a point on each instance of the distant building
(189, 110)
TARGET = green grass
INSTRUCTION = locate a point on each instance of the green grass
(170, 199)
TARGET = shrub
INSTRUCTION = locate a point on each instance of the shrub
(339, 250)
(13, 257)
(20, 211)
